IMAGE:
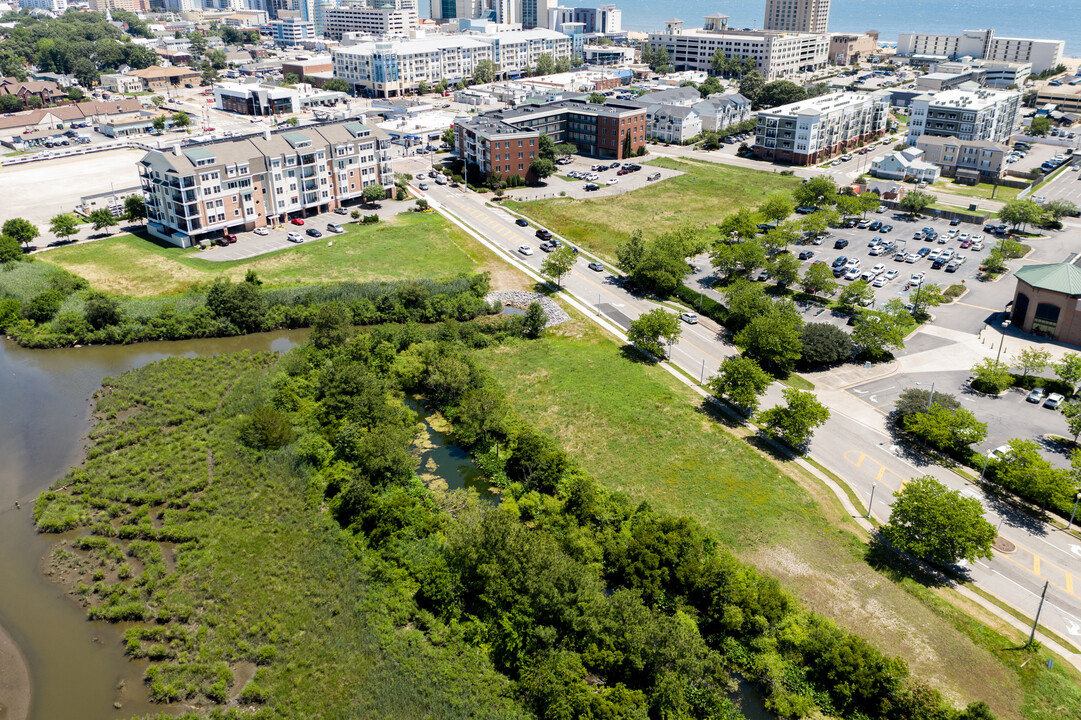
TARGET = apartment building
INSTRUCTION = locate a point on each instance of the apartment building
(809, 131)
(1067, 98)
(776, 54)
(971, 161)
(983, 44)
(964, 114)
(600, 20)
(986, 72)
(381, 22)
(202, 191)
(850, 48)
(598, 130)
(290, 32)
(808, 16)
(391, 68)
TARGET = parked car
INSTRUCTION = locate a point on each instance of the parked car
(886, 229)
(1037, 395)
(899, 256)
(852, 274)
(521, 222)
(806, 255)
(297, 221)
(840, 244)
(612, 181)
(294, 237)
(923, 252)
(423, 186)
(1053, 401)
(525, 249)
(689, 318)
(341, 211)
(596, 267)
(543, 234)
(230, 238)
(653, 176)
(335, 228)
(840, 261)
(312, 232)
(589, 187)
(915, 279)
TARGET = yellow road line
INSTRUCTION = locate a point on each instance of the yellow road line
(1069, 583)
(978, 307)
(1036, 564)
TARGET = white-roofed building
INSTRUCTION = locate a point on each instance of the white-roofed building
(904, 165)
(809, 131)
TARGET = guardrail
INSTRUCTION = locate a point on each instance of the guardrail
(54, 154)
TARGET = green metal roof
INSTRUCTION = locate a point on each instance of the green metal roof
(297, 139)
(356, 128)
(195, 154)
(1062, 277)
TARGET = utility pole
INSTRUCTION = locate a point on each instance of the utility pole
(932, 398)
(1039, 609)
(871, 501)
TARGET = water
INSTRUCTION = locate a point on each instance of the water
(440, 463)
(45, 407)
(748, 699)
(1052, 19)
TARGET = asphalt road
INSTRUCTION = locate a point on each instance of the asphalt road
(867, 458)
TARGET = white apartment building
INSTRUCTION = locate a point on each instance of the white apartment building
(388, 69)
(600, 20)
(966, 115)
(380, 22)
(289, 32)
(983, 44)
(202, 191)
(809, 131)
(56, 6)
(809, 16)
(777, 54)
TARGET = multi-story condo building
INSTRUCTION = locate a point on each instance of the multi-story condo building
(388, 69)
(201, 191)
(963, 114)
(809, 131)
(381, 22)
(56, 6)
(809, 16)
(502, 143)
(776, 54)
(983, 44)
(288, 32)
(451, 9)
(1067, 98)
(601, 20)
(971, 161)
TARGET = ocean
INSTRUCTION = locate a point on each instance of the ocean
(1052, 19)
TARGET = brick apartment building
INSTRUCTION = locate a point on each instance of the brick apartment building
(202, 191)
(598, 130)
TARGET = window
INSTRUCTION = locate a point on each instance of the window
(236, 212)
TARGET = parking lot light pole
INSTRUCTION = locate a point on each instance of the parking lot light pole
(1076, 498)
(871, 501)
(986, 457)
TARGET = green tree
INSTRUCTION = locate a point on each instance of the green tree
(558, 263)
(216, 58)
(102, 219)
(878, 334)
(1032, 360)
(541, 168)
(566, 149)
(773, 337)
(856, 294)
(1058, 209)
(928, 295)
(779, 92)
(1071, 410)
(242, 304)
(991, 376)
(818, 192)
(158, 122)
(101, 310)
(10, 251)
(337, 85)
(914, 400)
(824, 344)
(751, 84)
(64, 225)
(1069, 369)
(740, 381)
(1023, 471)
(950, 430)
(820, 221)
(784, 268)
(796, 420)
(818, 279)
(534, 320)
(718, 62)
(208, 73)
(198, 43)
(597, 98)
(448, 137)
(653, 330)
(776, 208)
(629, 254)
(75, 94)
(422, 88)
(738, 225)
(485, 72)
(373, 194)
(545, 64)
(332, 325)
(937, 524)
(627, 146)
(868, 202)
(546, 149)
(1040, 126)
(917, 201)
(1020, 213)
(180, 119)
(21, 229)
(10, 103)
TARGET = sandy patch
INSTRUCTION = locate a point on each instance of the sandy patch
(14, 680)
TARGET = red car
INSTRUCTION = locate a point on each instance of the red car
(297, 221)
(230, 238)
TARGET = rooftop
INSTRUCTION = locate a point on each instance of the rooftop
(826, 103)
(974, 100)
(1062, 277)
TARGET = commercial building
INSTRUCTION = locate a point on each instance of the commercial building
(120, 83)
(380, 22)
(809, 131)
(501, 142)
(964, 114)
(850, 48)
(290, 32)
(263, 100)
(776, 54)
(809, 16)
(982, 44)
(389, 69)
(607, 55)
(202, 191)
(1067, 98)
(1047, 301)
(600, 20)
(156, 78)
(969, 161)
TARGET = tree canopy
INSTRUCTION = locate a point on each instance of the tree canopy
(937, 524)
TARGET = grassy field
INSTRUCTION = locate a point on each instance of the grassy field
(703, 195)
(983, 190)
(639, 431)
(409, 245)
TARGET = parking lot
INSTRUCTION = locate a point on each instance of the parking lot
(1008, 416)
(576, 188)
(1064, 186)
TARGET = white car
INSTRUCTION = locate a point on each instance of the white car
(853, 274)
(612, 181)
(689, 318)
(962, 237)
(977, 245)
(934, 255)
(294, 237)
(916, 279)
(525, 249)
(261, 231)
(878, 269)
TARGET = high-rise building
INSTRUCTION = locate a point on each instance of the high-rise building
(809, 131)
(966, 115)
(1042, 54)
(809, 16)
(603, 19)
(381, 22)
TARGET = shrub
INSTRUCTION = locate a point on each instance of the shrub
(824, 344)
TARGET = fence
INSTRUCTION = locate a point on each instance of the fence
(73, 151)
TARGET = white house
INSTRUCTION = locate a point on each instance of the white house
(669, 123)
(723, 110)
(905, 165)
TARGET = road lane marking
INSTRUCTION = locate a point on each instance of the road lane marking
(978, 307)
(1035, 563)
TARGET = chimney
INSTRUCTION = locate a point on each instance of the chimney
(266, 134)
(176, 149)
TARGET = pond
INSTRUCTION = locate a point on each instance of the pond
(441, 464)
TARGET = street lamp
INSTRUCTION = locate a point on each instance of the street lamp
(871, 501)
(986, 457)
(1076, 498)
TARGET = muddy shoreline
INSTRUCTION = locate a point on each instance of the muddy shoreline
(15, 689)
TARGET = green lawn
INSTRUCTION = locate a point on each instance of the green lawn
(409, 245)
(983, 190)
(702, 196)
(638, 430)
